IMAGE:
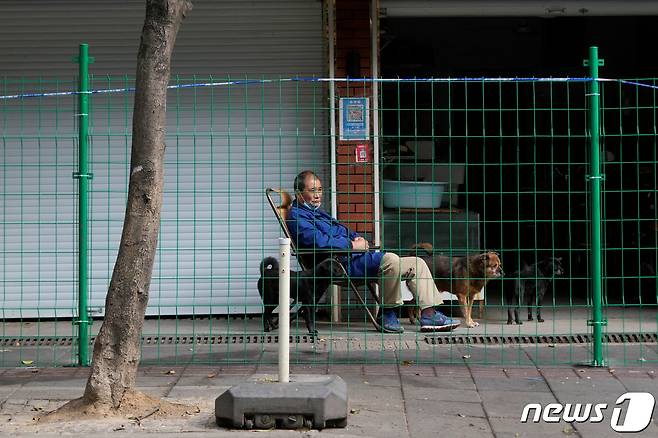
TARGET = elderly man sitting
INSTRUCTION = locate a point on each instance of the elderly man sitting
(312, 227)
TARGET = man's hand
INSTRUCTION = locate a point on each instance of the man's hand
(360, 243)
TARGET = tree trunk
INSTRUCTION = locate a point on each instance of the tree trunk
(117, 348)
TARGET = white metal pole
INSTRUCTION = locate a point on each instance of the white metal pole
(284, 309)
(335, 291)
(374, 46)
(332, 107)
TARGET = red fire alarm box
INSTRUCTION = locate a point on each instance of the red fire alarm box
(362, 152)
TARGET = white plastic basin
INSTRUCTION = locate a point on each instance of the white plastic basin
(413, 194)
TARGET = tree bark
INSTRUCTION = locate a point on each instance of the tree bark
(116, 352)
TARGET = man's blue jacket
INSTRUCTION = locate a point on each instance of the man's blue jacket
(317, 229)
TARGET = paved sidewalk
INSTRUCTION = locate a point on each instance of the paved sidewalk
(403, 400)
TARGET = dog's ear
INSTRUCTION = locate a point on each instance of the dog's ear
(425, 246)
(286, 199)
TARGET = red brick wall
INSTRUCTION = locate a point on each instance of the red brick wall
(354, 180)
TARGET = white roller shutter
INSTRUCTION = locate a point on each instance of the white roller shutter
(224, 146)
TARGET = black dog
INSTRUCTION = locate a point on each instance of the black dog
(530, 286)
(306, 287)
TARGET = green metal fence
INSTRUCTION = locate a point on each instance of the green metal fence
(517, 157)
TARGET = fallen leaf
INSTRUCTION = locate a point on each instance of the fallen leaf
(267, 379)
(210, 376)
(568, 430)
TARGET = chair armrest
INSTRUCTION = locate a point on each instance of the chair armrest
(308, 251)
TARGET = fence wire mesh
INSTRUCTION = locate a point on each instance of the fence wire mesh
(467, 166)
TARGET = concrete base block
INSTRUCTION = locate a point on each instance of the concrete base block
(311, 401)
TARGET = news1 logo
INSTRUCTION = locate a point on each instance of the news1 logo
(639, 412)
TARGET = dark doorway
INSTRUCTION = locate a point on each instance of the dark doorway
(525, 145)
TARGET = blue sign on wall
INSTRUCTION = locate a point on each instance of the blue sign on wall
(354, 118)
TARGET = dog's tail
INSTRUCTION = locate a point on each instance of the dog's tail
(269, 264)
(424, 246)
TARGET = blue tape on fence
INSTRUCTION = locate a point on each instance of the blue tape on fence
(348, 80)
(638, 84)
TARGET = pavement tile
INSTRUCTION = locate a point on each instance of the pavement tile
(238, 369)
(521, 372)
(156, 371)
(604, 430)
(496, 355)
(453, 382)
(464, 384)
(470, 409)
(509, 404)
(196, 392)
(153, 380)
(426, 422)
(386, 400)
(386, 381)
(379, 397)
(215, 380)
(201, 370)
(7, 390)
(17, 378)
(532, 384)
(456, 370)
(368, 420)
(630, 354)
(545, 355)
(379, 369)
(558, 373)
(416, 370)
(308, 369)
(529, 384)
(440, 395)
(586, 387)
(639, 384)
(53, 393)
(353, 369)
(513, 428)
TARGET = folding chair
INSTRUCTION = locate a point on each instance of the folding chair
(310, 257)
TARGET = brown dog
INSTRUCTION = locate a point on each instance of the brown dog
(462, 276)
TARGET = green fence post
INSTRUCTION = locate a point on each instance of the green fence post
(595, 178)
(83, 176)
